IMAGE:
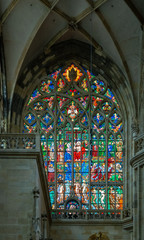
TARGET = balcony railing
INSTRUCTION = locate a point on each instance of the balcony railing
(90, 214)
(19, 141)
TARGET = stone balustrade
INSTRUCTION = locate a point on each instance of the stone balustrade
(19, 142)
(75, 214)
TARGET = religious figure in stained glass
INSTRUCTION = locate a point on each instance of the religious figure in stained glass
(81, 129)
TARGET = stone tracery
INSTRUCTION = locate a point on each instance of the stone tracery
(80, 124)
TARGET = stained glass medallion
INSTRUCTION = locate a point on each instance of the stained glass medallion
(55, 74)
(83, 101)
(49, 101)
(81, 129)
(106, 107)
(47, 86)
(98, 86)
(72, 73)
(84, 84)
(38, 106)
(46, 118)
(96, 101)
(84, 120)
(30, 128)
(34, 95)
(29, 118)
(60, 84)
(115, 118)
(72, 205)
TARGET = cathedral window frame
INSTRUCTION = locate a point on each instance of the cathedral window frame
(73, 72)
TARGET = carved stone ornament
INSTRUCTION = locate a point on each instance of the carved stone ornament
(98, 236)
(135, 127)
(3, 126)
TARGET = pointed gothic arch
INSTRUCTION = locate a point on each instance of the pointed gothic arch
(81, 129)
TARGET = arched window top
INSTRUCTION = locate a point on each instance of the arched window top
(81, 129)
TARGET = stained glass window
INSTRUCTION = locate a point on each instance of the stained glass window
(80, 123)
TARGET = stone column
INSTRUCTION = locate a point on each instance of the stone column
(36, 232)
(137, 163)
(135, 131)
(3, 89)
(44, 221)
(141, 89)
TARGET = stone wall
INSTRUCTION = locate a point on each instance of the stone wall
(19, 175)
(83, 232)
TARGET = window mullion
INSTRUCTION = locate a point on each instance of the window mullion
(72, 157)
(90, 143)
(106, 166)
(115, 171)
(90, 159)
(55, 152)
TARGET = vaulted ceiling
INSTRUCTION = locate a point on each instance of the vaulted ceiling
(115, 27)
